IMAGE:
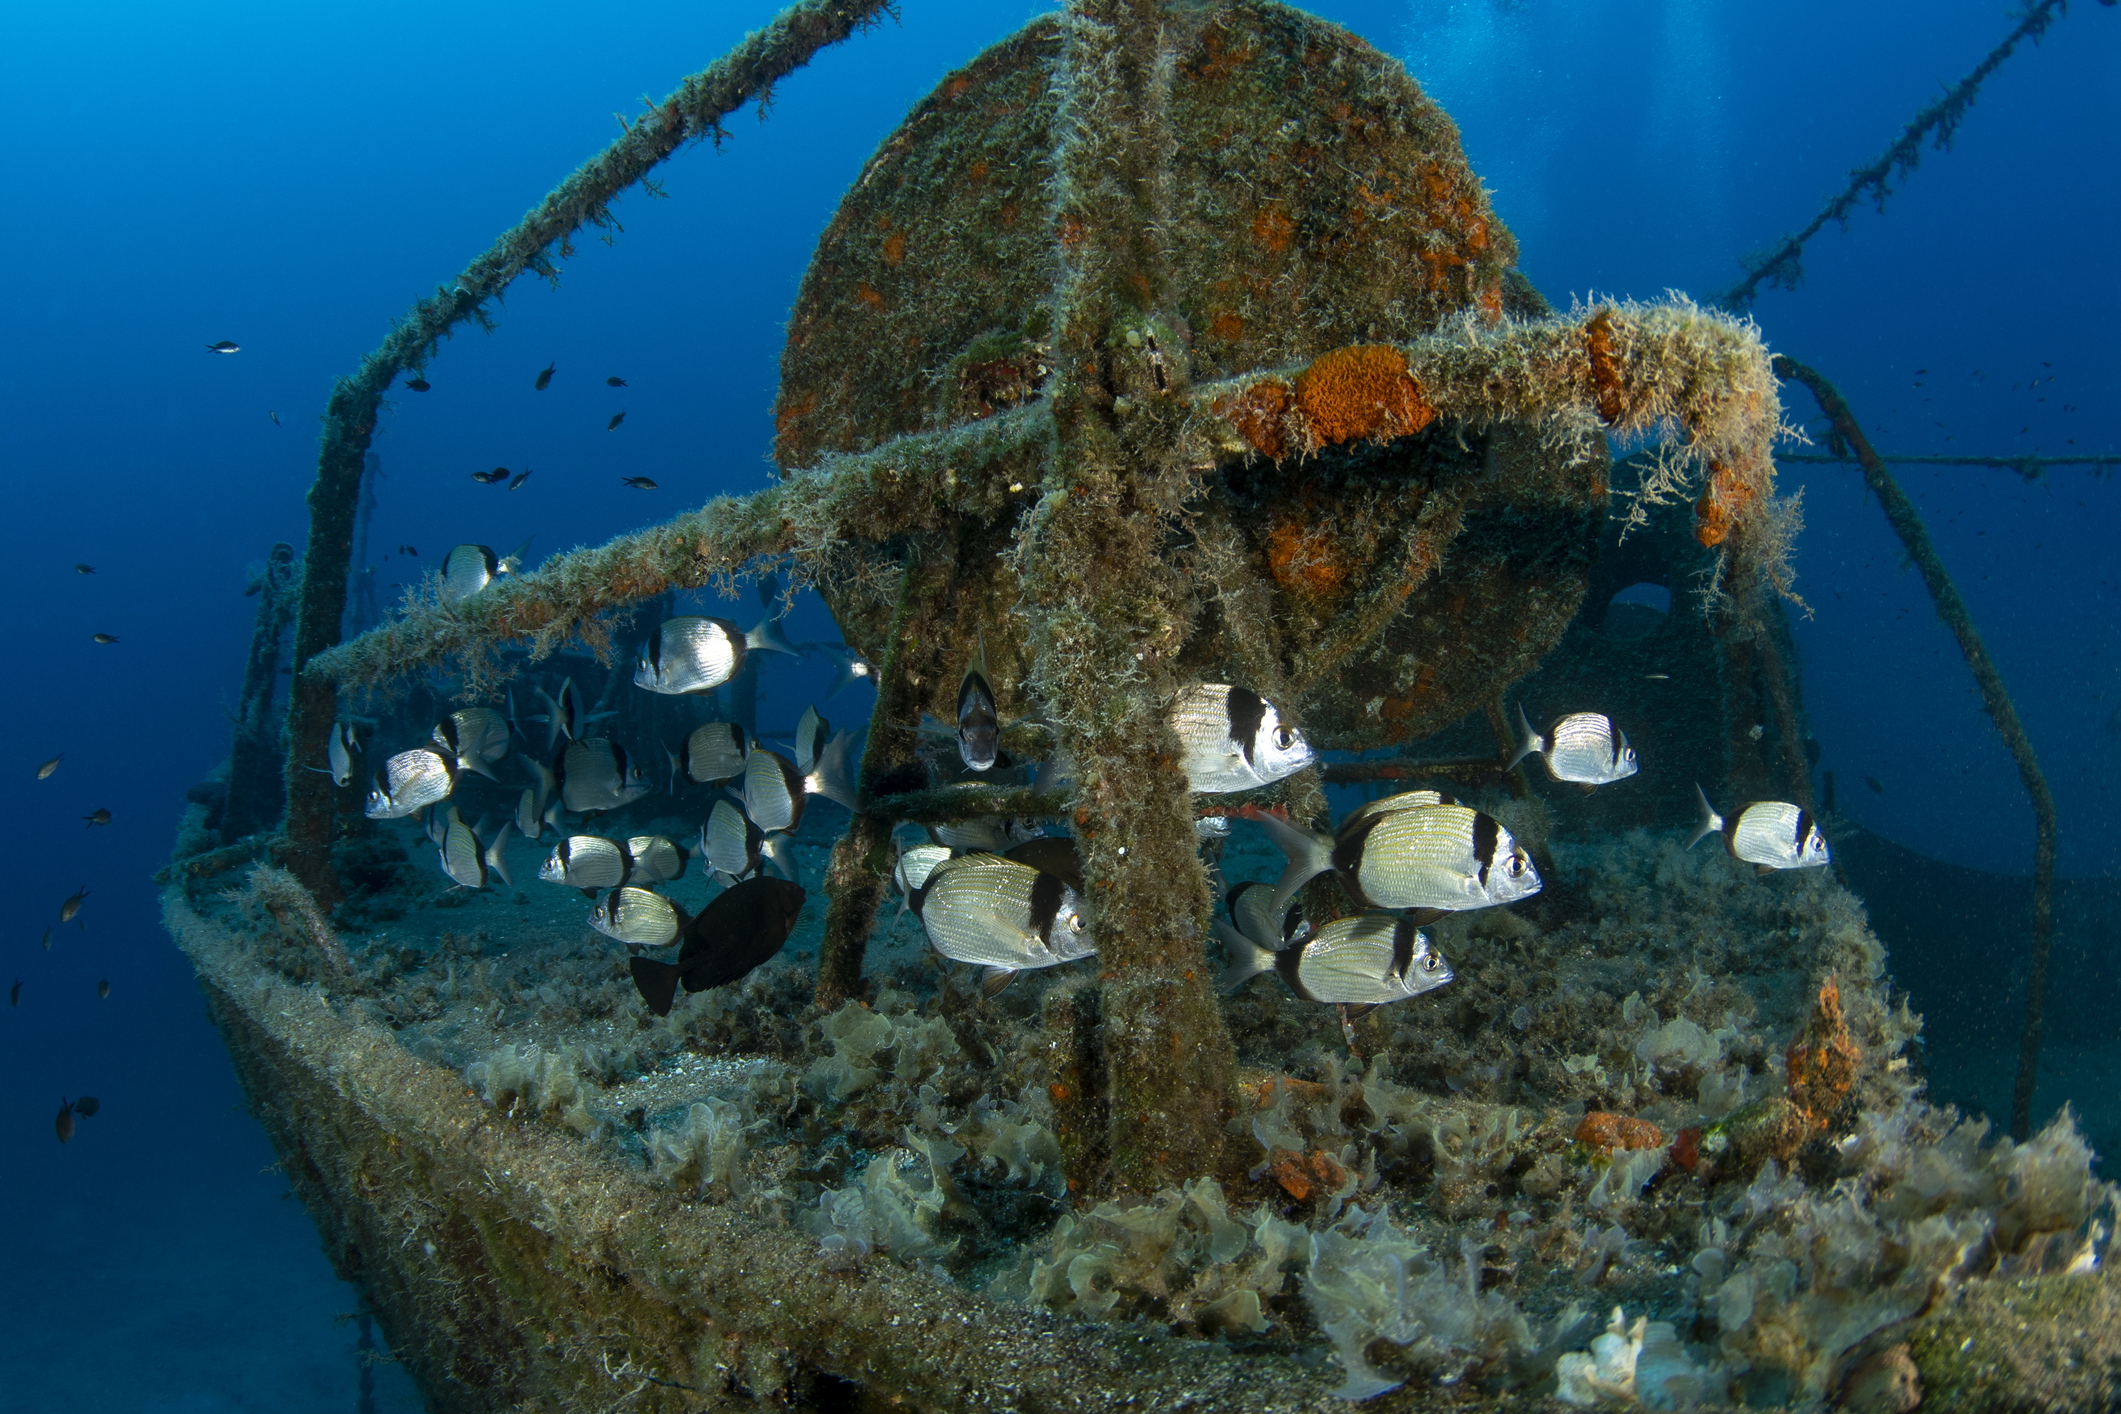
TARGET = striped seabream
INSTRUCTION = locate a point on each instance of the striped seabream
(1767, 834)
(1584, 748)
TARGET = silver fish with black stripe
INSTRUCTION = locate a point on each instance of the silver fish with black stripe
(588, 863)
(1767, 834)
(637, 916)
(695, 653)
(1002, 916)
(1433, 858)
(1584, 748)
(596, 774)
(1367, 960)
(470, 863)
(409, 781)
(1232, 739)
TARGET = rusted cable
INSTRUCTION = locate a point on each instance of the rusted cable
(1907, 523)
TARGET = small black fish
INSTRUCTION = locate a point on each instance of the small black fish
(253, 587)
(515, 483)
(418, 384)
(545, 377)
(99, 817)
(104, 637)
(47, 940)
(744, 926)
(86, 1106)
(103, 988)
(978, 727)
(638, 483)
(225, 346)
(614, 382)
(488, 478)
(72, 906)
(84, 569)
(1872, 782)
(274, 416)
(14, 993)
(616, 419)
(63, 1126)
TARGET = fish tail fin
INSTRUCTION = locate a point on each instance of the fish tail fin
(767, 636)
(1309, 854)
(496, 855)
(833, 776)
(657, 982)
(774, 850)
(1528, 741)
(1247, 959)
(1710, 823)
(842, 679)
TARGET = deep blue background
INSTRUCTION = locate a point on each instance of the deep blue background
(293, 177)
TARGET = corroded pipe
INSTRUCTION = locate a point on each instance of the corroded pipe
(693, 111)
(1900, 513)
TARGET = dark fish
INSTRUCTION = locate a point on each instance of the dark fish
(694, 653)
(515, 483)
(1434, 858)
(225, 346)
(1004, 916)
(50, 766)
(545, 377)
(14, 993)
(274, 416)
(86, 1106)
(64, 1124)
(1367, 960)
(1232, 739)
(595, 773)
(614, 382)
(616, 419)
(72, 906)
(638, 483)
(418, 384)
(1872, 782)
(713, 753)
(1051, 854)
(103, 988)
(729, 841)
(1767, 834)
(409, 781)
(488, 478)
(774, 790)
(84, 569)
(811, 734)
(636, 916)
(469, 862)
(104, 637)
(588, 863)
(745, 925)
(979, 730)
(47, 940)
(1583, 747)
(476, 737)
(98, 816)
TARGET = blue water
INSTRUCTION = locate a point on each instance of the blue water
(293, 177)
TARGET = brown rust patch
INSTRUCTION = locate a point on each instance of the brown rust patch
(1823, 1060)
(1605, 368)
(1272, 229)
(1360, 392)
(1257, 415)
(1603, 1131)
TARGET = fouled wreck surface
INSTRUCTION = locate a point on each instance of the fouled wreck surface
(1160, 346)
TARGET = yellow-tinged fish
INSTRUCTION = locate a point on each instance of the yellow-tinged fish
(588, 863)
(637, 916)
(475, 738)
(1366, 960)
(1003, 916)
(1767, 834)
(467, 861)
(713, 753)
(72, 906)
(44, 771)
(1434, 858)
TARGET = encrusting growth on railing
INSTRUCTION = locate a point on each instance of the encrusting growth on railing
(694, 111)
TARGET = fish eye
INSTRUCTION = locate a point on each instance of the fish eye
(1516, 866)
(1285, 737)
(1627, 753)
